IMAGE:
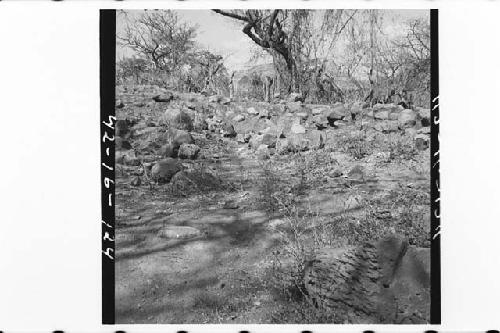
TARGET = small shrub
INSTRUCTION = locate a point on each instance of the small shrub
(356, 145)
(402, 148)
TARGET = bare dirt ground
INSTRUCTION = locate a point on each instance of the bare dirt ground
(224, 269)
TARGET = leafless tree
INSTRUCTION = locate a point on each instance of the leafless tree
(161, 37)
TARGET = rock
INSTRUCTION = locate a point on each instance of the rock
(225, 101)
(316, 139)
(421, 141)
(340, 123)
(271, 128)
(228, 131)
(336, 114)
(319, 109)
(337, 173)
(394, 116)
(177, 137)
(297, 128)
(357, 173)
(127, 158)
(302, 115)
(238, 118)
(188, 151)
(169, 150)
(119, 104)
(407, 118)
(230, 204)
(243, 138)
(214, 99)
(252, 110)
(178, 232)
(284, 125)
(424, 130)
(296, 97)
(166, 97)
(295, 107)
(386, 126)
(176, 118)
(385, 281)
(320, 121)
(382, 115)
(163, 170)
(269, 140)
(264, 113)
(411, 132)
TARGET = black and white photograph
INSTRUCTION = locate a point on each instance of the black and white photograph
(273, 167)
(249, 166)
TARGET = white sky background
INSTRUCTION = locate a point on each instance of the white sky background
(223, 35)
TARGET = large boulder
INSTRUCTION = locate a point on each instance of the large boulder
(188, 151)
(169, 150)
(238, 118)
(381, 115)
(267, 139)
(243, 138)
(264, 113)
(165, 97)
(252, 111)
(317, 109)
(407, 118)
(227, 130)
(177, 137)
(219, 99)
(337, 113)
(163, 170)
(385, 281)
(295, 107)
(284, 124)
(320, 121)
(176, 118)
(127, 157)
(300, 142)
(386, 126)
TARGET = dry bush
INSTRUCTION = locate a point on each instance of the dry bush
(356, 145)
(401, 147)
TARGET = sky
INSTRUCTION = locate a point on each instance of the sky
(223, 35)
